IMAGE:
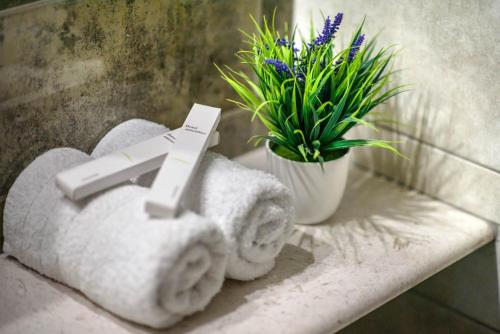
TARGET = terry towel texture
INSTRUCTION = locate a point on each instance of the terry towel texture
(152, 271)
(130, 133)
(252, 207)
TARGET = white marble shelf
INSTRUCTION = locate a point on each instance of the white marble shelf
(382, 241)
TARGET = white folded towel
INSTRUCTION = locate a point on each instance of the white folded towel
(252, 207)
(126, 134)
(152, 271)
(130, 133)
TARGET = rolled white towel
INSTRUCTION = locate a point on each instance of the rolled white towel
(126, 134)
(151, 271)
(252, 207)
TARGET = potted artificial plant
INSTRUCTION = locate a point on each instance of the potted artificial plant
(308, 99)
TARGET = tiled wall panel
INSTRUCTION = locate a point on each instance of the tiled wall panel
(449, 52)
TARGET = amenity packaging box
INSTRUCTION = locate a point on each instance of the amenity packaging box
(182, 161)
(119, 166)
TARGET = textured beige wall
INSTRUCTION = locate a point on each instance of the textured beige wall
(71, 70)
(450, 54)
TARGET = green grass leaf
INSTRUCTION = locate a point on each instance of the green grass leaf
(310, 105)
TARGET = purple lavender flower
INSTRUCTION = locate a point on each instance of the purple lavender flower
(337, 64)
(355, 47)
(325, 34)
(329, 30)
(299, 74)
(336, 24)
(281, 42)
(279, 66)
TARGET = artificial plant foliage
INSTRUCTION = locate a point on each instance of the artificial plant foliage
(309, 98)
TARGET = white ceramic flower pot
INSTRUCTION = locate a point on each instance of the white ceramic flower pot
(316, 194)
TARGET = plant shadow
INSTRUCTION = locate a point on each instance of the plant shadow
(374, 214)
(415, 128)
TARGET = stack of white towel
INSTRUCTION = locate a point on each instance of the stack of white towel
(252, 208)
(151, 271)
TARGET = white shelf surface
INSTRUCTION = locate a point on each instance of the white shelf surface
(382, 241)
